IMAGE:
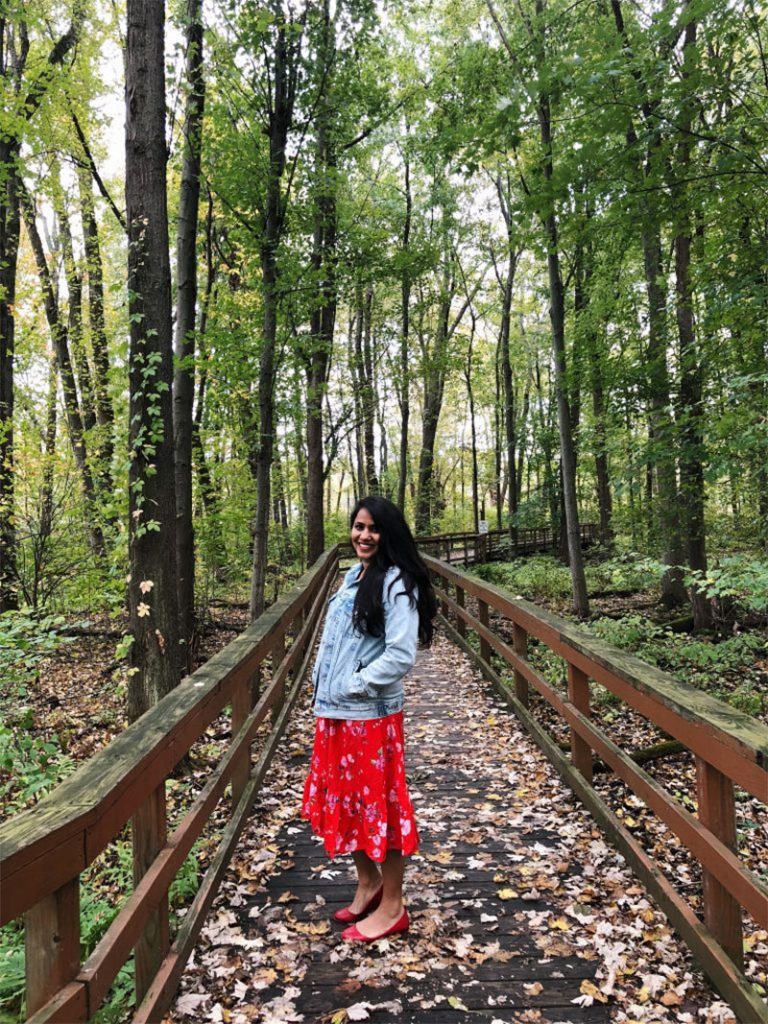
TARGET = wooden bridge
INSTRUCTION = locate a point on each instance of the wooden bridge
(467, 548)
(500, 872)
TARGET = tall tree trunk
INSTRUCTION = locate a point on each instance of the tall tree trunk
(152, 594)
(506, 363)
(323, 319)
(557, 317)
(405, 314)
(468, 372)
(673, 591)
(282, 100)
(75, 332)
(184, 341)
(368, 396)
(14, 49)
(604, 497)
(10, 223)
(67, 374)
(45, 528)
(691, 386)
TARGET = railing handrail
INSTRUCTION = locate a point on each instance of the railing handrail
(729, 748)
(714, 720)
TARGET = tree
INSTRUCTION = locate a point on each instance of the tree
(152, 595)
(22, 99)
(186, 311)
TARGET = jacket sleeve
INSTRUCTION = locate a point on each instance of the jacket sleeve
(401, 637)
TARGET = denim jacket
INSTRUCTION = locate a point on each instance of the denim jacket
(358, 676)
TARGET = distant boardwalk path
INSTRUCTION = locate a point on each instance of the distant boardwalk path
(520, 912)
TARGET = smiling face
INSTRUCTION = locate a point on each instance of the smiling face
(365, 536)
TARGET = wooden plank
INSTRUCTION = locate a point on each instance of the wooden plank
(724, 974)
(148, 835)
(52, 944)
(241, 708)
(578, 693)
(722, 913)
(43, 875)
(460, 601)
(68, 1006)
(520, 647)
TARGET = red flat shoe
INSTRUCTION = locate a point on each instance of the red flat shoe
(354, 935)
(346, 916)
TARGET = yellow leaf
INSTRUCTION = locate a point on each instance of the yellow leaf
(506, 894)
(339, 1017)
(643, 995)
(589, 989)
(456, 1003)
(561, 924)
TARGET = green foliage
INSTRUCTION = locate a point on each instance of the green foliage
(736, 580)
(544, 577)
(30, 765)
(538, 576)
(725, 669)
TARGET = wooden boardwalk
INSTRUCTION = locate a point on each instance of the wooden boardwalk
(513, 896)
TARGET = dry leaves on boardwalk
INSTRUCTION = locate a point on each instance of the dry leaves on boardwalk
(520, 911)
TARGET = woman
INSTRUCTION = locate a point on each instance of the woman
(355, 795)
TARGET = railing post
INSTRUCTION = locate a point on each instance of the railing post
(278, 653)
(520, 646)
(485, 647)
(148, 835)
(461, 625)
(578, 694)
(52, 944)
(722, 913)
(242, 705)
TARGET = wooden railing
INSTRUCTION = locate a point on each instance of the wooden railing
(44, 851)
(729, 748)
(470, 548)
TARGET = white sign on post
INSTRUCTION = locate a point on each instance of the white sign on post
(483, 525)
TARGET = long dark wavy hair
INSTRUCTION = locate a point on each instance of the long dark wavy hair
(396, 547)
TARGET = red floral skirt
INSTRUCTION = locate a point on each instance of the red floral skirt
(355, 795)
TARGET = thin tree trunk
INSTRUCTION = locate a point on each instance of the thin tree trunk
(473, 429)
(152, 594)
(75, 318)
(184, 342)
(10, 223)
(14, 49)
(368, 396)
(405, 304)
(283, 92)
(673, 591)
(67, 375)
(557, 317)
(691, 385)
(105, 416)
(323, 318)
